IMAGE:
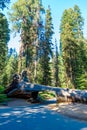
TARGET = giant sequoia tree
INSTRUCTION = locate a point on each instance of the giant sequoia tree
(73, 45)
(26, 20)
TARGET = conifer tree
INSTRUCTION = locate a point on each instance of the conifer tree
(9, 70)
(71, 39)
(47, 49)
(4, 38)
(56, 66)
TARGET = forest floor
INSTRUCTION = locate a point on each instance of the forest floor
(73, 110)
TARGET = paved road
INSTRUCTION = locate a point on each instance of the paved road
(36, 117)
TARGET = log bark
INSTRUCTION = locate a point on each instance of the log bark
(69, 95)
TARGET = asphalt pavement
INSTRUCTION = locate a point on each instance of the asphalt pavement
(36, 117)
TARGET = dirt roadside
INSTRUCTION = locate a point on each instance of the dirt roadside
(75, 110)
(15, 102)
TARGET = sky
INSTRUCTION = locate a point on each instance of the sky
(57, 9)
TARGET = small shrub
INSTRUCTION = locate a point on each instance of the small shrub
(46, 95)
(1, 89)
(3, 96)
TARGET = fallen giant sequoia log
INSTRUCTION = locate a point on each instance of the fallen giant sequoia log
(27, 90)
(62, 95)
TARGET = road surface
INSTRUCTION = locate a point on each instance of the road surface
(36, 117)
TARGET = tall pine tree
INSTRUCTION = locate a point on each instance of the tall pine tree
(4, 38)
(47, 49)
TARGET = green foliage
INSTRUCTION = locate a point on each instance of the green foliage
(49, 31)
(62, 72)
(1, 89)
(46, 70)
(46, 95)
(81, 82)
(2, 95)
(73, 44)
(9, 70)
(4, 38)
(47, 50)
(56, 66)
